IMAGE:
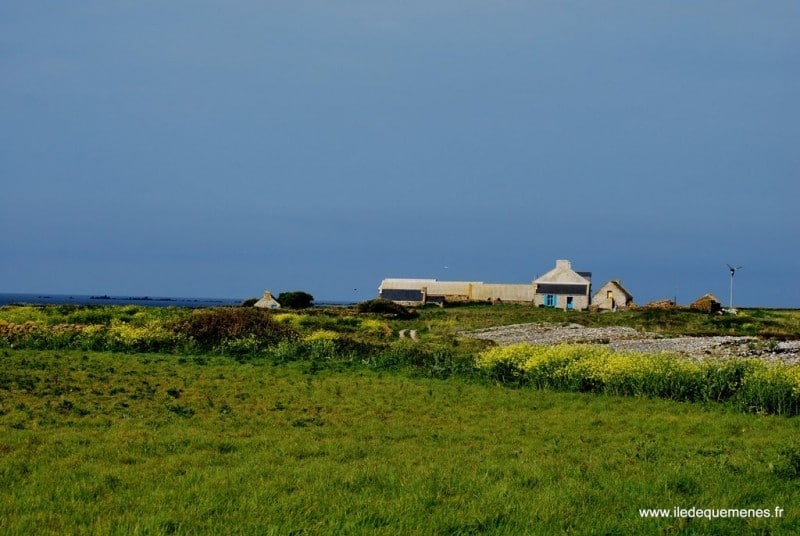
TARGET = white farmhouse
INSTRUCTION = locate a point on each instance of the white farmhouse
(560, 287)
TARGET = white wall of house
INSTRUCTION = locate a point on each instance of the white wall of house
(580, 302)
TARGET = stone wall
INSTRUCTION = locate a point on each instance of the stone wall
(500, 292)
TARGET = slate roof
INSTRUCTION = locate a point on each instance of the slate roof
(561, 288)
(408, 295)
(397, 294)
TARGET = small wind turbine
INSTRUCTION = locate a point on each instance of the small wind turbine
(733, 272)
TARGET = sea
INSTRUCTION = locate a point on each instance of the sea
(150, 301)
(104, 299)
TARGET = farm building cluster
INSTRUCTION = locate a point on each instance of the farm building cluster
(562, 287)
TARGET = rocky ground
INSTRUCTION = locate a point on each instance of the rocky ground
(629, 339)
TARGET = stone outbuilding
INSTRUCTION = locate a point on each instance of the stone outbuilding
(612, 296)
(267, 302)
(708, 303)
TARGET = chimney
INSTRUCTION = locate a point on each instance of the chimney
(564, 264)
(267, 295)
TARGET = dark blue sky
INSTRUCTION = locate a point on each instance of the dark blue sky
(224, 148)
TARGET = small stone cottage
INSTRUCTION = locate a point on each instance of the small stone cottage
(612, 296)
(708, 303)
(267, 302)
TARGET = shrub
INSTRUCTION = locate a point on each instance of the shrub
(723, 378)
(396, 356)
(505, 364)
(153, 337)
(210, 327)
(242, 346)
(285, 351)
(288, 319)
(296, 299)
(321, 335)
(772, 389)
(375, 328)
(386, 307)
(39, 336)
(320, 348)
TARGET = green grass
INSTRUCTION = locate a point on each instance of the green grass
(91, 314)
(162, 444)
(773, 323)
(442, 324)
(353, 340)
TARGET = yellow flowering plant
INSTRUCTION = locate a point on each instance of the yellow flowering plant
(749, 383)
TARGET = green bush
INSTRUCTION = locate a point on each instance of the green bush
(396, 356)
(386, 307)
(35, 335)
(296, 299)
(153, 337)
(209, 328)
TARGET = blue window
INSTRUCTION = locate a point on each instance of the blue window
(550, 300)
(569, 303)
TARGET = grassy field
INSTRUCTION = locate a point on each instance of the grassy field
(162, 444)
(766, 323)
(135, 420)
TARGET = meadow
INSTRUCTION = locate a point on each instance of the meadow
(135, 420)
(152, 444)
